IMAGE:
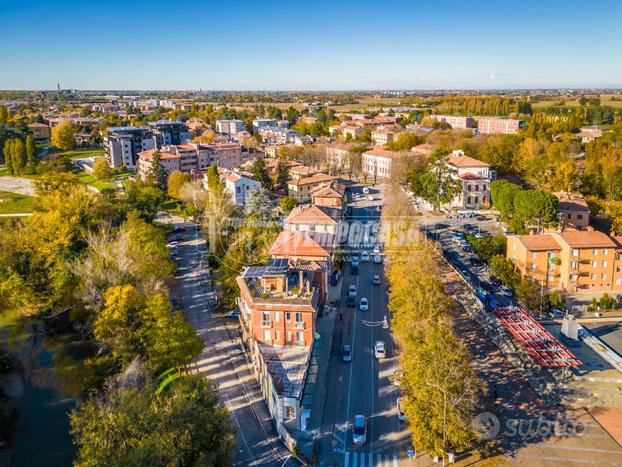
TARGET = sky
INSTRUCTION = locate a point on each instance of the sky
(309, 45)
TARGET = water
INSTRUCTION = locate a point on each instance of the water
(51, 370)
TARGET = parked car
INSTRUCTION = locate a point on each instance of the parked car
(366, 190)
(363, 305)
(401, 416)
(233, 314)
(377, 259)
(179, 229)
(475, 262)
(376, 250)
(494, 281)
(557, 314)
(480, 218)
(370, 197)
(359, 431)
(365, 256)
(376, 279)
(380, 350)
(466, 274)
(346, 355)
(352, 290)
(504, 290)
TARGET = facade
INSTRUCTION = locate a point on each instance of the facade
(239, 184)
(312, 218)
(457, 122)
(499, 126)
(573, 212)
(190, 157)
(261, 123)
(40, 131)
(229, 127)
(332, 195)
(580, 261)
(277, 135)
(384, 136)
(476, 177)
(338, 156)
(301, 188)
(378, 161)
(122, 144)
(169, 132)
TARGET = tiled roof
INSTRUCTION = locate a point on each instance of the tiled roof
(466, 161)
(571, 201)
(588, 239)
(326, 191)
(302, 244)
(311, 214)
(317, 178)
(163, 154)
(543, 242)
(379, 151)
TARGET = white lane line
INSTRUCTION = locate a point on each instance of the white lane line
(566, 460)
(371, 460)
(354, 459)
(379, 460)
(395, 461)
(346, 459)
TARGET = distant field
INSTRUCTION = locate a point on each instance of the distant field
(13, 203)
(605, 99)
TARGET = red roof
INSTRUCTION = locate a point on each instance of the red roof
(302, 244)
(466, 161)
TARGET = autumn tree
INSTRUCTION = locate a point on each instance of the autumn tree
(64, 136)
(31, 152)
(287, 203)
(175, 181)
(261, 174)
(101, 169)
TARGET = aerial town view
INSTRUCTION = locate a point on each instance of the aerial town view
(310, 234)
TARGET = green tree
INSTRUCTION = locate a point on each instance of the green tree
(504, 270)
(214, 183)
(64, 136)
(287, 203)
(258, 203)
(158, 172)
(260, 172)
(101, 169)
(438, 183)
(31, 151)
(175, 181)
(8, 155)
(502, 194)
(130, 424)
(282, 173)
(18, 156)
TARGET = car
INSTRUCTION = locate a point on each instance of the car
(346, 354)
(557, 314)
(375, 279)
(377, 259)
(380, 350)
(176, 238)
(365, 256)
(466, 274)
(377, 208)
(504, 290)
(401, 416)
(370, 197)
(480, 218)
(366, 190)
(178, 229)
(456, 234)
(475, 262)
(494, 281)
(363, 304)
(376, 250)
(233, 314)
(352, 290)
(172, 244)
(359, 430)
(440, 226)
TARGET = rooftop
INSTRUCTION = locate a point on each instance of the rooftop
(287, 366)
(571, 201)
(588, 239)
(462, 161)
(317, 178)
(379, 151)
(542, 242)
(296, 244)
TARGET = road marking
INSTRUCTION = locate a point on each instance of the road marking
(358, 459)
(346, 459)
(378, 459)
(566, 460)
(371, 460)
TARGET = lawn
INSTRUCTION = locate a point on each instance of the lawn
(90, 180)
(12, 203)
(83, 153)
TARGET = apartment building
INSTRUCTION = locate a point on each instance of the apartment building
(301, 188)
(273, 135)
(229, 127)
(238, 183)
(169, 132)
(378, 161)
(476, 177)
(498, 126)
(384, 136)
(457, 122)
(573, 212)
(122, 144)
(40, 131)
(312, 218)
(191, 157)
(262, 123)
(574, 261)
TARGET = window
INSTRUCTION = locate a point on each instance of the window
(618, 281)
(575, 253)
(534, 255)
(592, 276)
(277, 315)
(288, 336)
(579, 216)
(594, 264)
(595, 252)
(605, 251)
(533, 266)
(551, 254)
(267, 336)
(604, 264)
(277, 335)
(299, 317)
(290, 412)
(288, 316)
(265, 316)
(603, 276)
(300, 337)
(569, 216)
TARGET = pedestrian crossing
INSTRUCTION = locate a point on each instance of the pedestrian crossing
(368, 459)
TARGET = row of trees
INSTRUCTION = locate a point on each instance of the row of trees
(20, 158)
(438, 383)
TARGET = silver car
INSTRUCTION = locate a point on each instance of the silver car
(359, 432)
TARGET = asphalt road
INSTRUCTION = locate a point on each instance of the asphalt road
(363, 386)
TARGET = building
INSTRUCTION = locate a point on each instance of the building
(122, 144)
(378, 161)
(589, 134)
(191, 157)
(457, 122)
(498, 126)
(239, 184)
(301, 171)
(476, 177)
(574, 261)
(573, 212)
(278, 304)
(169, 132)
(338, 156)
(277, 135)
(382, 136)
(331, 195)
(262, 123)
(301, 188)
(312, 218)
(40, 131)
(229, 127)
(425, 149)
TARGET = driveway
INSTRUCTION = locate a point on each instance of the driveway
(22, 186)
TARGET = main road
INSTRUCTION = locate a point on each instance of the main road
(364, 386)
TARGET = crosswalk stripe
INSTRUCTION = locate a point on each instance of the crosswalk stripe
(346, 459)
(378, 460)
(366, 459)
(395, 461)
(355, 459)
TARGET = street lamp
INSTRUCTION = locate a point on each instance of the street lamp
(444, 413)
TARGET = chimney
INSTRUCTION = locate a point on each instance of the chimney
(300, 280)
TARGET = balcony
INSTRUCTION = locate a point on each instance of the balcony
(300, 325)
(266, 324)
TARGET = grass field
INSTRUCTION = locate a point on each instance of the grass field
(12, 203)
(82, 153)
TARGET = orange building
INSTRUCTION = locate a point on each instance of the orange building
(571, 261)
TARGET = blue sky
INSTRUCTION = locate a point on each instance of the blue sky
(297, 45)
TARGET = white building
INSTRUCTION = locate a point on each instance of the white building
(378, 162)
(229, 127)
(476, 177)
(239, 184)
(261, 123)
(457, 122)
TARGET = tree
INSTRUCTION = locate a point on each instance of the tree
(502, 194)
(143, 197)
(258, 203)
(131, 424)
(260, 172)
(175, 181)
(8, 155)
(214, 183)
(18, 156)
(158, 172)
(287, 203)
(64, 136)
(133, 325)
(101, 169)
(438, 183)
(282, 173)
(31, 151)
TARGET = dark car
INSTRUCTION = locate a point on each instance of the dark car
(475, 262)
(494, 281)
(178, 229)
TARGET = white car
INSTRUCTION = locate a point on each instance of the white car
(365, 256)
(370, 197)
(401, 416)
(376, 250)
(359, 432)
(366, 190)
(504, 290)
(380, 350)
(377, 259)
(363, 305)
